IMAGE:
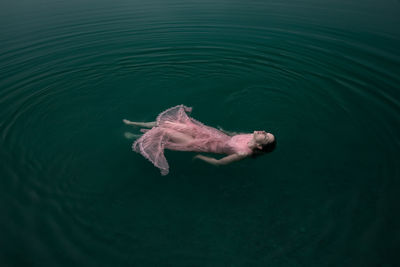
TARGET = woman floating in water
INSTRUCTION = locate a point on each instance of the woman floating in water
(175, 130)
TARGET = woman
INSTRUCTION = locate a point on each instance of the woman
(175, 130)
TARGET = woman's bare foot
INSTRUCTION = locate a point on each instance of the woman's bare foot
(141, 124)
(129, 135)
(127, 122)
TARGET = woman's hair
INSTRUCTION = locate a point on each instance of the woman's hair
(267, 148)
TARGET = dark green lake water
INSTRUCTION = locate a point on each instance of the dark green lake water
(322, 76)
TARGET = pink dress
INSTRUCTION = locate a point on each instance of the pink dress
(205, 139)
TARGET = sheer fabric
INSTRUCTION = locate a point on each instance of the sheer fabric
(204, 138)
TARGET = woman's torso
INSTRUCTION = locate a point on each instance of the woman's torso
(212, 140)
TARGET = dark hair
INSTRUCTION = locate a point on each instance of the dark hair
(267, 148)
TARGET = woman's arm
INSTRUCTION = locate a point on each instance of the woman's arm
(222, 161)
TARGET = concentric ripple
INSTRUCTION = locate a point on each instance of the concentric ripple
(324, 78)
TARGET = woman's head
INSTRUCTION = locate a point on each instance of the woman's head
(263, 141)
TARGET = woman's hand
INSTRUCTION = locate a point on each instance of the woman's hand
(206, 159)
(223, 161)
(198, 156)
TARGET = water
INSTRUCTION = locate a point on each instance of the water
(323, 77)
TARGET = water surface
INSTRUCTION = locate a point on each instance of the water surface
(323, 77)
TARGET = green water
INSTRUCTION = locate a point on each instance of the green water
(322, 76)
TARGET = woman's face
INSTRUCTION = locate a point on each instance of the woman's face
(262, 137)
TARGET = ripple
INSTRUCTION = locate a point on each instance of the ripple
(318, 84)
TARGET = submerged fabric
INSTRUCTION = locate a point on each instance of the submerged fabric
(205, 139)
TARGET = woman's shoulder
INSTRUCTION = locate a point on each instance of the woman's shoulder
(241, 137)
(244, 153)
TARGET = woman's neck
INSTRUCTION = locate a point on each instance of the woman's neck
(251, 144)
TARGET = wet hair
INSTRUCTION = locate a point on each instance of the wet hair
(267, 148)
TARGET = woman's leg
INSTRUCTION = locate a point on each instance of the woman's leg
(178, 137)
(141, 124)
(180, 127)
(173, 135)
